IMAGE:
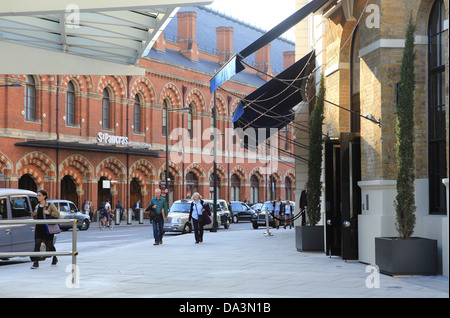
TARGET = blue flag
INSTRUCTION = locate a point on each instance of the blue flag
(238, 112)
(233, 66)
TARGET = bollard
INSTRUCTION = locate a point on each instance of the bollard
(117, 213)
(141, 216)
(129, 216)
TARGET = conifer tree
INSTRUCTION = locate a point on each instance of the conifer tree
(315, 158)
(405, 201)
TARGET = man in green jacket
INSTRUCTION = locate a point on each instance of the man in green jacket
(160, 205)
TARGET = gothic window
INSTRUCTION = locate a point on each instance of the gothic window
(30, 99)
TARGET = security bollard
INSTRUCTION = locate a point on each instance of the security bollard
(141, 216)
(117, 214)
(129, 216)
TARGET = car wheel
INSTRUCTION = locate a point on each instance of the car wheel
(255, 225)
(187, 228)
(226, 225)
(84, 226)
(235, 219)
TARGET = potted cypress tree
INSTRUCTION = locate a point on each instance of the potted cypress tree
(310, 237)
(406, 255)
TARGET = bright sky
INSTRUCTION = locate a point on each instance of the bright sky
(264, 14)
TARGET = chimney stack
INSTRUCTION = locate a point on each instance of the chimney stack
(262, 61)
(160, 44)
(288, 58)
(187, 37)
(224, 43)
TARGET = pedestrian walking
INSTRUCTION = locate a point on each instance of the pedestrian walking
(198, 212)
(137, 209)
(160, 205)
(43, 210)
(121, 210)
(288, 214)
(277, 211)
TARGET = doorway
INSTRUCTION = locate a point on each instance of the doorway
(69, 190)
(343, 195)
(104, 191)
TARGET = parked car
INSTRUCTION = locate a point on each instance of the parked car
(178, 218)
(257, 207)
(68, 210)
(241, 211)
(16, 204)
(259, 219)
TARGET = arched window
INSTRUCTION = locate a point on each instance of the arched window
(70, 104)
(272, 188)
(254, 189)
(137, 114)
(189, 121)
(437, 161)
(30, 99)
(165, 112)
(191, 184)
(355, 82)
(235, 188)
(211, 186)
(288, 189)
(106, 110)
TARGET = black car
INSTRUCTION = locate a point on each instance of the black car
(241, 211)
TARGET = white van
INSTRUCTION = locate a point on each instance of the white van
(16, 204)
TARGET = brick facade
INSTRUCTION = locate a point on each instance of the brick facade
(179, 85)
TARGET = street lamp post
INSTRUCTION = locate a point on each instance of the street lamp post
(214, 228)
(167, 179)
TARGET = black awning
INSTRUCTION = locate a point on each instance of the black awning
(270, 106)
(55, 144)
(234, 66)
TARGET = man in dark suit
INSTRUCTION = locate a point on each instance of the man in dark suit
(303, 203)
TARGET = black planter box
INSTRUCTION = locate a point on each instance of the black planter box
(309, 238)
(396, 257)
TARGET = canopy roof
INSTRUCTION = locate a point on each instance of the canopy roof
(82, 37)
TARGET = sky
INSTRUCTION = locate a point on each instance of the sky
(260, 13)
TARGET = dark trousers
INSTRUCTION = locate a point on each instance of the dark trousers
(198, 230)
(158, 229)
(49, 247)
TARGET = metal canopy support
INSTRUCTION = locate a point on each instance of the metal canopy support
(86, 37)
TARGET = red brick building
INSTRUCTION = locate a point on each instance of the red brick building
(97, 137)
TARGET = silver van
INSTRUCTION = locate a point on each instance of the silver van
(16, 204)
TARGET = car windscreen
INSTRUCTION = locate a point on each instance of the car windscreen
(269, 206)
(182, 207)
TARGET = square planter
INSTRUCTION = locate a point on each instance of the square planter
(309, 238)
(416, 256)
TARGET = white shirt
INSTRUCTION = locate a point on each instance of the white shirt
(287, 209)
(197, 209)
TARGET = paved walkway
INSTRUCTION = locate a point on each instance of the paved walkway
(237, 264)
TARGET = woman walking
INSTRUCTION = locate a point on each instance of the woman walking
(278, 209)
(287, 214)
(44, 210)
(197, 213)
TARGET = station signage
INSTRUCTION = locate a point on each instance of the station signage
(105, 138)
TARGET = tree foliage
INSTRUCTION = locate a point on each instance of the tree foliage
(405, 201)
(315, 158)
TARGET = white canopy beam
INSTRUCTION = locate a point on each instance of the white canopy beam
(89, 37)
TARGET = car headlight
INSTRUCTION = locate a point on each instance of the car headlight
(176, 220)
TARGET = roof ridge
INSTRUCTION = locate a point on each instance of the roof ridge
(241, 22)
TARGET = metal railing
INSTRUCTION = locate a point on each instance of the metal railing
(74, 252)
